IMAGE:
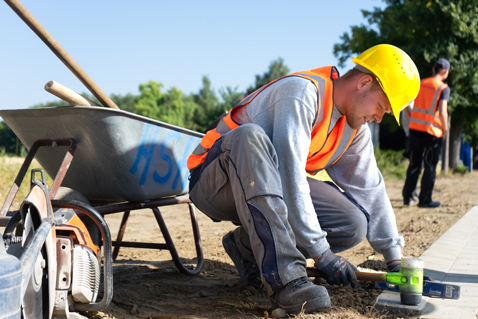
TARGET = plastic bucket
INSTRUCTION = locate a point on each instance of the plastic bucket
(10, 287)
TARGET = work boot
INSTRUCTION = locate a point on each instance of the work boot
(429, 205)
(415, 195)
(412, 200)
(248, 271)
(301, 294)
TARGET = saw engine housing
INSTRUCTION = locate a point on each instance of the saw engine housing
(55, 245)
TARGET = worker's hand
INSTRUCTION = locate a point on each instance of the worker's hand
(394, 266)
(336, 270)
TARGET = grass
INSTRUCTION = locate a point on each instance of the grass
(461, 169)
(391, 163)
(9, 168)
(348, 313)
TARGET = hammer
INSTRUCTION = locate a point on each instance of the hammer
(409, 279)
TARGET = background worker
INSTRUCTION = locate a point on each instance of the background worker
(250, 170)
(404, 122)
(428, 124)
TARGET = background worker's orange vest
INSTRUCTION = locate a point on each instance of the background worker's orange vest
(325, 149)
(425, 115)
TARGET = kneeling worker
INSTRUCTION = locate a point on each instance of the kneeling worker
(252, 170)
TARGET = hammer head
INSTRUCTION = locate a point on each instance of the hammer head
(411, 288)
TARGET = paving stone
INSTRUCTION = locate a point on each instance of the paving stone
(448, 260)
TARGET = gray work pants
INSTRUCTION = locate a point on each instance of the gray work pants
(239, 181)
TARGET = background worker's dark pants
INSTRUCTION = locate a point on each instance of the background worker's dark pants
(426, 149)
(239, 182)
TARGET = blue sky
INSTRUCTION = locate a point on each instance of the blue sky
(121, 44)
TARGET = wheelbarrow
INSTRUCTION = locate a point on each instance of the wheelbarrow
(118, 160)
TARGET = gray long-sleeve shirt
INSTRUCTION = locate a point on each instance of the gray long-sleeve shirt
(286, 110)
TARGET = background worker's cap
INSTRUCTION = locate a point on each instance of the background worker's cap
(396, 73)
(442, 64)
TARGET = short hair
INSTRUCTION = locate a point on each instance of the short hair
(441, 64)
(438, 68)
(354, 72)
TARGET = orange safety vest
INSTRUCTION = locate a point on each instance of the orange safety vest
(425, 115)
(325, 149)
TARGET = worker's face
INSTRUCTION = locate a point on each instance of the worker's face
(367, 104)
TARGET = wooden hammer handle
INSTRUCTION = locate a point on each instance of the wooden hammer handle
(361, 275)
(67, 94)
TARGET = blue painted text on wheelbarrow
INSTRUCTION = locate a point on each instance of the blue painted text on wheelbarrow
(171, 157)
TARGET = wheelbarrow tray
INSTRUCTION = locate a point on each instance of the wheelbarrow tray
(120, 156)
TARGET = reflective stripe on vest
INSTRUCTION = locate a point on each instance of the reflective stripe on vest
(425, 115)
(325, 148)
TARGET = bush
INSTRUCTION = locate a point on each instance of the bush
(391, 163)
(461, 168)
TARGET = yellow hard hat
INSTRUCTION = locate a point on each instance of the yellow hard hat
(396, 72)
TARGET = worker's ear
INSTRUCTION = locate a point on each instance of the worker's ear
(446, 73)
(364, 81)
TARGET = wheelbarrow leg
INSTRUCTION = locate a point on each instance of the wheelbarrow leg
(121, 231)
(170, 244)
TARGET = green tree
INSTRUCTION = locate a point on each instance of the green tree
(230, 97)
(51, 104)
(170, 107)
(8, 141)
(276, 70)
(208, 106)
(196, 111)
(428, 30)
(125, 102)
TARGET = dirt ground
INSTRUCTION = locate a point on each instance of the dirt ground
(148, 285)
